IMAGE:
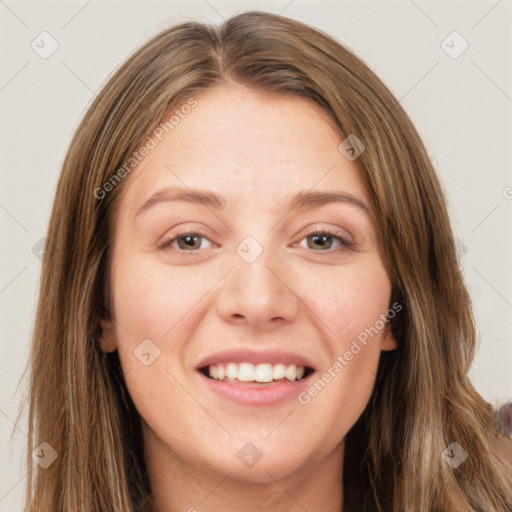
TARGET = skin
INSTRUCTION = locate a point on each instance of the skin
(255, 149)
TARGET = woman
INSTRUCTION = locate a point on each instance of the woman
(250, 297)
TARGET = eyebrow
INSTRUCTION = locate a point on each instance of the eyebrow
(304, 199)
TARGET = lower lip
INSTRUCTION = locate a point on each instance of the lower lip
(254, 394)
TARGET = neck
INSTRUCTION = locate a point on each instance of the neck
(178, 486)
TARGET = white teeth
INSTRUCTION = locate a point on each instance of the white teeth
(291, 372)
(246, 372)
(231, 371)
(264, 372)
(279, 371)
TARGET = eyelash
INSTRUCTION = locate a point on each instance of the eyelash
(322, 232)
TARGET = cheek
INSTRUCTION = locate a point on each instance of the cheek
(151, 300)
(351, 305)
(347, 300)
(157, 309)
(155, 315)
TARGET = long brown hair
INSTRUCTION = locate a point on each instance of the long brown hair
(422, 400)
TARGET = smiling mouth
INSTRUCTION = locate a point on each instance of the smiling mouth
(264, 373)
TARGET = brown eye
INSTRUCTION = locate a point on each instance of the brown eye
(189, 241)
(320, 241)
(323, 241)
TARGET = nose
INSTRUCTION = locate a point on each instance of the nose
(260, 293)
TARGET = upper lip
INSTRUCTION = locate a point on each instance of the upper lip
(255, 357)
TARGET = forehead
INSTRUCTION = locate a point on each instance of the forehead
(250, 147)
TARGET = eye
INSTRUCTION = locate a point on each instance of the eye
(186, 241)
(323, 240)
(319, 240)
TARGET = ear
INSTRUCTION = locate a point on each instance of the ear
(107, 337)
(388, 341)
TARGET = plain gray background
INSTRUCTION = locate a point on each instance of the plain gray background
(461, 105)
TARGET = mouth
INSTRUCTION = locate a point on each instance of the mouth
(261, 373)
(255, 378)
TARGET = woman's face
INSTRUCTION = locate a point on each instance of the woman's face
(252, 289)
